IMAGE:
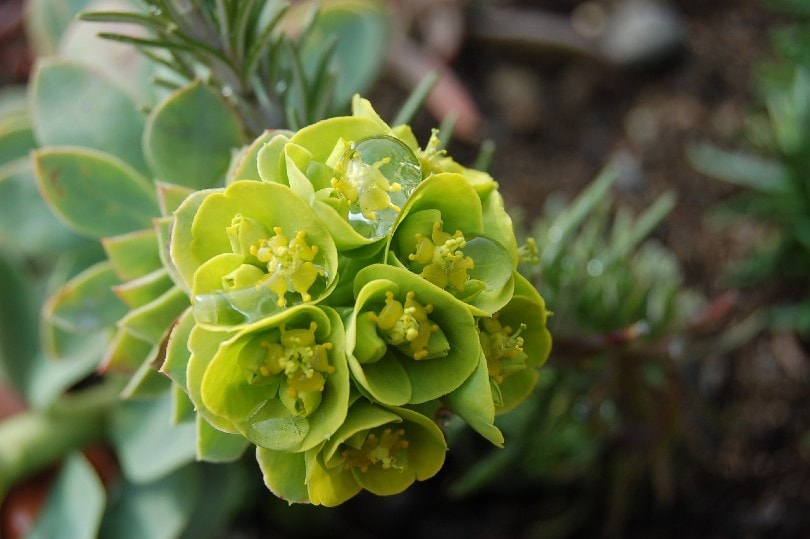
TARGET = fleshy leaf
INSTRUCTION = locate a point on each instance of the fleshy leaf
(16, 138)
(140, 291)
(147, 382)
(149, 446)
(170, 196)
(133, 254)
(152, 320)
(216, 446)
(27, 224)
(248, 164)
(75, 504)
(86, 302)
(472, 401)
(284, 474)
(359, 59)
(95, 193)
(73, 105)
(141, 510)
(125, 353)
(189, 137)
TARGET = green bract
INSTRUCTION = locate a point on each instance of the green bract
(408, 341)
(379, 449)
(281, 382)
(442, 235)
(248, 251)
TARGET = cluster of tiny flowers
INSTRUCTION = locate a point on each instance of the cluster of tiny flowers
(346, 285)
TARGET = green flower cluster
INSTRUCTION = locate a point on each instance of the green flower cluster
(343, 285)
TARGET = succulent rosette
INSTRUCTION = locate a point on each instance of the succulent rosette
(249, 251)
(379, 449)
(443, 235)
(408, 341)
(282, 383)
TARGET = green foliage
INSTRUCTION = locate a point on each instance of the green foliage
(774, 174)
(244, 51)
(597, 270)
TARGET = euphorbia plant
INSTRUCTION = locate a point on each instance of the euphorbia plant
(330, 310)
(315, 296)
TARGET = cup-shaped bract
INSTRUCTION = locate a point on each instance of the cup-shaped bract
(283, 382)
(250, 251)
(354, 171)
(379, 449)
(442, 235)
(515, 342)
(407, 340)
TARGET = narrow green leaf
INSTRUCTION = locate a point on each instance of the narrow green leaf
(746, 170)
(86, 302)
(416, 99)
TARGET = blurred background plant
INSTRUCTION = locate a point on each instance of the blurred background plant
(772, 169)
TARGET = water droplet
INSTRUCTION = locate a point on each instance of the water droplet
(595, 267)
(383, 172)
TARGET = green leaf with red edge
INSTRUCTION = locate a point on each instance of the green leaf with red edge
(87, 302)
(140, 291)
(177, 351)
(95, 193)
(213, 445)
(125, 353)
(133, 254)
(152, 321)
(27, 225)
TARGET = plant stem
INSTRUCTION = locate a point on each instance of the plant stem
(34, 439)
